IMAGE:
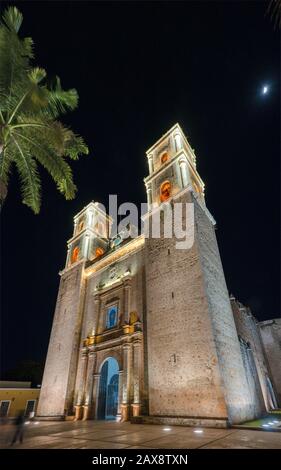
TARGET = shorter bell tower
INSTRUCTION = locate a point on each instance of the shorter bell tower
(90, 235)
(90, 240)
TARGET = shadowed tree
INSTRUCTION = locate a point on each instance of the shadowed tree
(30, 132)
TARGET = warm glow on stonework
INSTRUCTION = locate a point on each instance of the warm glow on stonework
(196, 187)
(99, 251)
(75, 254)
(164, 157)
(81, 226)
(100, 228)
(132, 246)
(165, 191)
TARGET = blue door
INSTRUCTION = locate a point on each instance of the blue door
(108, 390)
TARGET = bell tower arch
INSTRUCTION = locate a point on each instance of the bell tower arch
(90, 234)
(172, 167)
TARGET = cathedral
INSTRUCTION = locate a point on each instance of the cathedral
(146, 332)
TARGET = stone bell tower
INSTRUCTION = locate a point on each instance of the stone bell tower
(90, 236)
(172, 167)
(90, 240)
(195, 368)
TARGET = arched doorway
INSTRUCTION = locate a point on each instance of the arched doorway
(108, 389)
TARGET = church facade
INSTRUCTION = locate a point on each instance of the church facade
(147, 332)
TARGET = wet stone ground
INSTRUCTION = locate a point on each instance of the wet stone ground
(113, 435)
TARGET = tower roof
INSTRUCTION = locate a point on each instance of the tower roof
(175, 127)
(94, 206)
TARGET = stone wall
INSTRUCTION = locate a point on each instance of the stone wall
(183, 372)
(56, 397)
(111, 278)
(257, 370)
(195, 366)
(233, 377)
(271, 338)
(120, 280)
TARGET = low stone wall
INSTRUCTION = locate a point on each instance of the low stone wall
(182, 421)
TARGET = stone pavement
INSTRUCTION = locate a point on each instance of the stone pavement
(113, 435)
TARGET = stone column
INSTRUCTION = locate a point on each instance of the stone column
(150, 163)
(86, 245)
(101, 315)
(89, 385)
(97, 312)
(90, 218)
(96, 387)
(126, 382)
(127, 290)
(184, 173)
(80, 384)
(137, 377)
(120, 393)
(178, 142)
(149, 196)
(68, 257)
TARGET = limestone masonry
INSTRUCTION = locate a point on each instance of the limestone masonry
(145, 331)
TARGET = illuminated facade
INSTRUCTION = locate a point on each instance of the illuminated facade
(145, 331)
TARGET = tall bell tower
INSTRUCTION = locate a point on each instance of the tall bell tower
(195, 368)
(172, 167)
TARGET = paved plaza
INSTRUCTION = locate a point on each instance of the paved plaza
(113, 435)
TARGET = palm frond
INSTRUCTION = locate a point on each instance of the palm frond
(29, 177)
(30, 98)
(63, 188)
(56, 166)
(75, 146)
(36, 75)
(15, 53)
(57, 136)
(61, 101)
(13, 19)
(5, 164)
(29, 108)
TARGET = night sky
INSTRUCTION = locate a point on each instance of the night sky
(139, 68)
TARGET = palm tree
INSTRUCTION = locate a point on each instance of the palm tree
(29, 130)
